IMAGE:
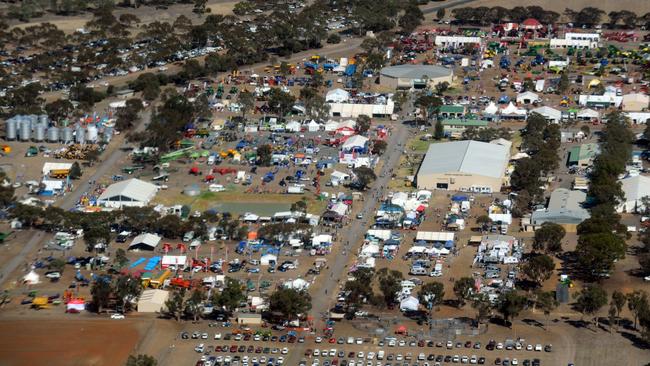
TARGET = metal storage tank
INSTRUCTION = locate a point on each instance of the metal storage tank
(43, 119)
(53, 134)
(33, 121)
(25, 130)
(108, 134)
(67, 135)
(91, 133)
(80, 134)
(11, 130)
(39, 133)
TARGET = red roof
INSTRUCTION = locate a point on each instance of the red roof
(531, 23)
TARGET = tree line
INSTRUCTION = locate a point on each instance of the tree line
(541, 141)
(96, 226)
(588, 16)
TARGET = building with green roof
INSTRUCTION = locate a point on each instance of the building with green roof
(583, 155)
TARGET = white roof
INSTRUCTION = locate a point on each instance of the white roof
(172, 260)
(548, 112)
(635, 187)
(47, 167)
(355, 141)
(491, 108)
(410, 303)
(337, 96)
(151, 296)
(135, 189)
(150, 240)
(434, 236)
(588, 113)
(511, 109)
(527, 95)
(471, 157)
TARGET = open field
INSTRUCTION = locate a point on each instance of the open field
(67, 342)
(640, 7)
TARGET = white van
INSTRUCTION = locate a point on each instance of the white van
(380, 355)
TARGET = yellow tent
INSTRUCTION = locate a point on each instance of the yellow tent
(593, 82)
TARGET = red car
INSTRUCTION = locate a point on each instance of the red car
(332, 340)
(233, 348)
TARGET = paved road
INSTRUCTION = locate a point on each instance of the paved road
(323, 298)
(446, 5)
(111, 157)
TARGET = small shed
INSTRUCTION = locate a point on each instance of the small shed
(249, 319)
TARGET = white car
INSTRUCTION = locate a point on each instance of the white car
(538, 347)
(318, 339)
(217, 336)
(53, 275)
(117, 316)
(450, 344)
(333, 352)
(499, 345)
(646, 278)
(200, 348)
(514, 362)
(284, 351)
(361, 354)
(529, 347)
(371, 355)
(359, 340)
(316, 352)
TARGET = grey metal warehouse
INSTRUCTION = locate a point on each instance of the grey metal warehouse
(414, 76)
(466, 166)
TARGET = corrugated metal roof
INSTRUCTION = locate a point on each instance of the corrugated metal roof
(416, 71)
(471, 157)
(135, 189)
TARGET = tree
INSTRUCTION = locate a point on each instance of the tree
(333, 38)
(510, 305)
(264, 153)
(618, 301)
(379, 147)
(75, 171)
(440, 14)
(101, 293)
(439, 131)
(59, 109)
(564, 83)
(481, 303)
(127, 288)
(6, 191)
(194, 305)
(389, 285)
(363, 124)
(428, 105)
(441, 87)
(359, 289)
(364, 176)
(637, 303)
(246, 102)
(431, 294)
(598, 252)
(199, 6)
(175, 304)
(539, 268)
(290, 303)
(585, 129)
(588, 16)
(590, 299)
(299, 206)
(549, 237)
(547, 302)
(463, 289)
(280, 101)
(141, 360)
(230, 297)
(120, 258)
(57, 264)
(411, 19)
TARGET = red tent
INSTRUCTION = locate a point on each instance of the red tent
(401, 330)
(531, 24)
